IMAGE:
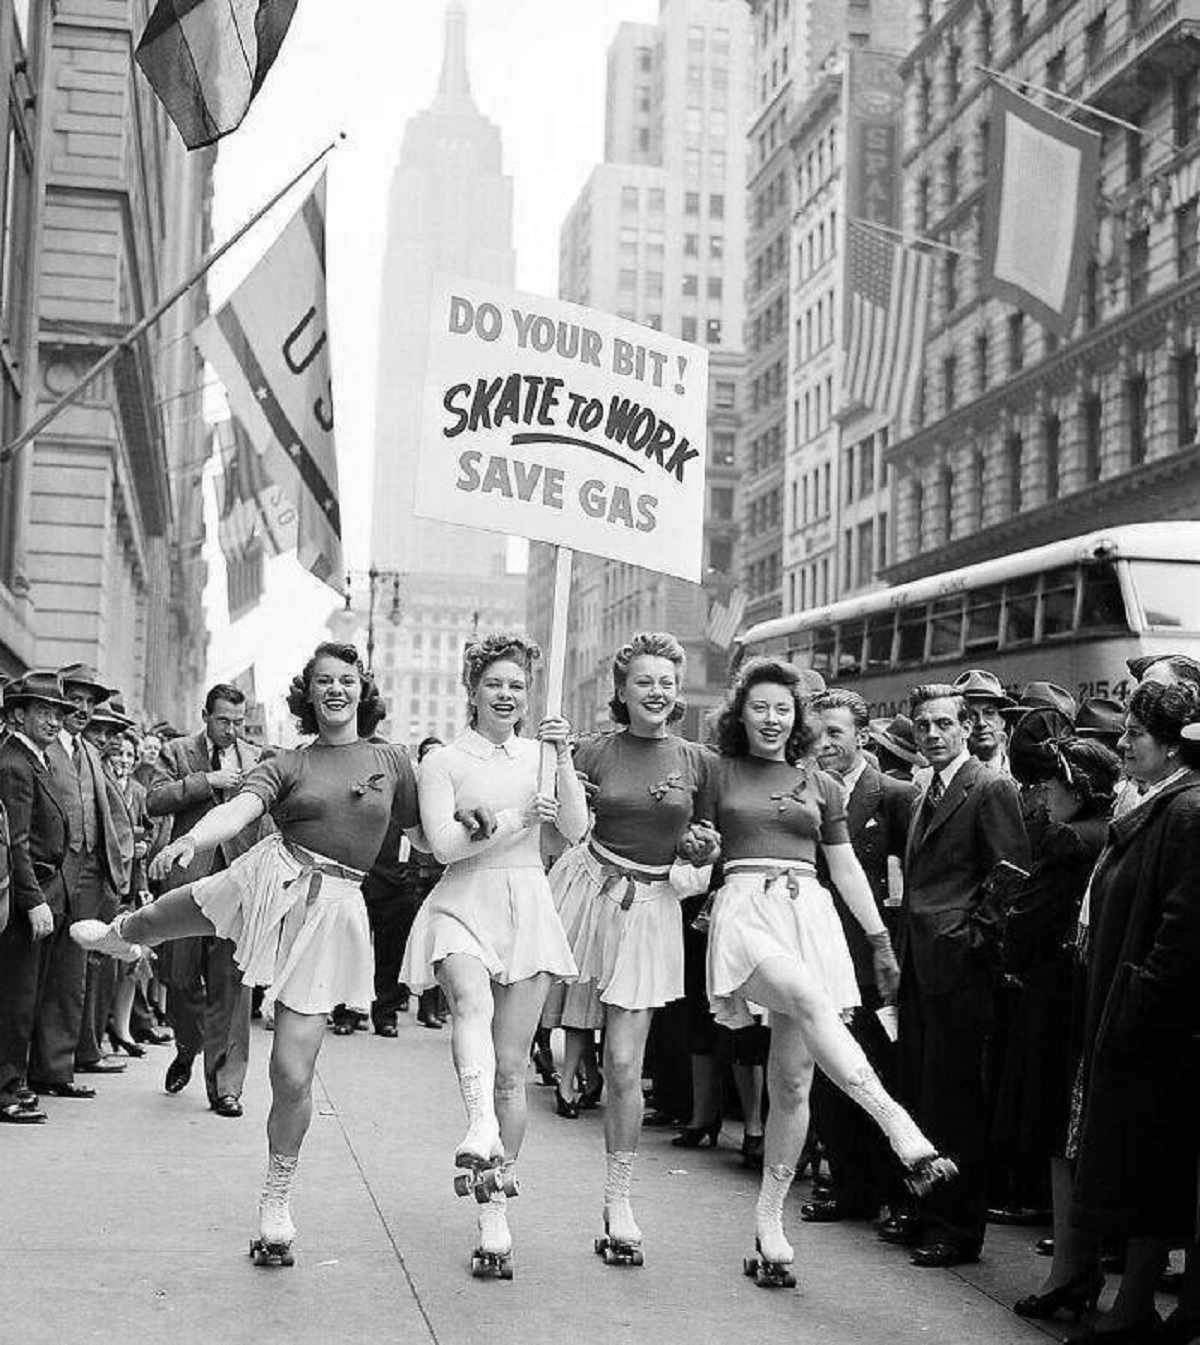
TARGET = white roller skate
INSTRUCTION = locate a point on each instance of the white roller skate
(621, 1244)
(99, 936)
(924, 1167)
(771, 1267)
(276, 1231)
(493, 1256)
(480, 1152)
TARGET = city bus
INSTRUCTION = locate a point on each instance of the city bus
(1070, 612)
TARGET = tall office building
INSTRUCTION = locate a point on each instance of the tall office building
(450, 212)
(657, 235)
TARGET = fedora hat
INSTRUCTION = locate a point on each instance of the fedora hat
(113, 715)
(896, 736)
(1042, 696)
(1100, 717)
(1036, 742)
(1141, 665)
(84, 675)
(39, 684)
(977, 684)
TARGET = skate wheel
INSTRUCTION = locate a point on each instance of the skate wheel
(750, 1267)
(478, 1269)
(506, 1268)
(636, 1258)
(512, 1186)
(599, 1246)
(462, 1185)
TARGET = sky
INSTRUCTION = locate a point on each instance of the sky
(364, 67)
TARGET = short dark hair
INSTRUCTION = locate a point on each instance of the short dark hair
(842, 698)
(730, 734)
(1164, 708)
(939, 691)
(426, 745)
(652, 644)
(371, 708)
(223, 691)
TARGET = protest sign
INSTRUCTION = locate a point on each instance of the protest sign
(562, 424)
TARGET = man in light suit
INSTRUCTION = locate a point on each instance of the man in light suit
(97, 870)
(864, 1171)
(966, 821)
(38, 846)
(207, 1004)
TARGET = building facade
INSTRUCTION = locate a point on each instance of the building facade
(109, 495)
(1020, 437)
(657, 235)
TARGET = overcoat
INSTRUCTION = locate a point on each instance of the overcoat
(1140, 1128)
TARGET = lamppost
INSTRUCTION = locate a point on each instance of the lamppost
(374, 576)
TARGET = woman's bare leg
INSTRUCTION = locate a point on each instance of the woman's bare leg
(174, 915)
(468, 987)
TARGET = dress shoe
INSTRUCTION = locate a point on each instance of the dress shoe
(131, 1048)
(903, 1230)
(27, 1097)
(1074, 1297)
(831, 1210)
(402, 1004)
(752, 1152)
(386, 1030)
(154, 1036)
(227, 1105)
(179, 1073)
(430, 1020)
(14, 1113)
(342, 1028)
(64, 1089)
(944, 1253)
(101, 1067)
(695, 1137)
(1044, 1246)
(567, 1108)
(589, 1098)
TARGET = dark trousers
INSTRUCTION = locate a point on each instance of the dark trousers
(23, 966)
(863, 1169)
(391, 918)
(100, 984)
(943, 1054)
(60, 1011)
(208, 1009)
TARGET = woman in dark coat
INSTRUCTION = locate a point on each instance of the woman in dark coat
(1139, 1133)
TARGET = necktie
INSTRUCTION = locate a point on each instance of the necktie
(216, 758)
(933, 797)
(76, 755)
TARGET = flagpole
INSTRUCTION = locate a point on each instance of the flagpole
(1019, 84)
(111, 355)
(923, 239)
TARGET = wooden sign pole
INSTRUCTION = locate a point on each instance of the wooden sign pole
(557, 665)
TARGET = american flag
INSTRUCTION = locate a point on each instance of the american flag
(886, 312)
(724, 618)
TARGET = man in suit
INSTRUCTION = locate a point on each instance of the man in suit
(965, 822)
(207, 1004)
(863, 1168)
(38, 846)
(96, 870)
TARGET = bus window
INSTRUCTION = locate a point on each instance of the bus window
(1058, 602)
(983, 619)
(822, 650)
(879, 641)
(1102, 606)
(945, 627)
(1168, 593)
(911, 648)
(1020, 610)
(850, 642)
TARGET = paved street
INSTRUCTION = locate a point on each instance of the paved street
(128, 1219)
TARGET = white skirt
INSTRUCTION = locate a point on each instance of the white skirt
(301, 933)
(504, 916)
(755, 917)
(625, 930)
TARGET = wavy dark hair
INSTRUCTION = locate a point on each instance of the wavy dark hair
(730, 733)
(651, 644)
(371, 707)
(1164, 708)
(939, 691)
(479, 656)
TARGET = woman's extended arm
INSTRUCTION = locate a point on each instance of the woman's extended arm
(572, 801)
(446, 838)
(213, 829)
(851, 882)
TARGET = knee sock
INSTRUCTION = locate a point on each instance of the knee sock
(768, 1213)
(477, 1087)
(908, 1143)
(618, 1213)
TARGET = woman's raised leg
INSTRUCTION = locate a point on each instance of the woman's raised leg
(174, 915)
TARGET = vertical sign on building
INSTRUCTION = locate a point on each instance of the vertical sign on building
(874, 121)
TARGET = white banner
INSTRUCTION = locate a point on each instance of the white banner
(562, 424)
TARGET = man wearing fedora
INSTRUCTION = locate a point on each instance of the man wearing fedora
(96, 870)
(987, 700)
(207, 1005)
(39, 839)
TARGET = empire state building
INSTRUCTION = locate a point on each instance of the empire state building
(450, 212)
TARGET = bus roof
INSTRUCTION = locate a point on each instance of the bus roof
(1141, 541)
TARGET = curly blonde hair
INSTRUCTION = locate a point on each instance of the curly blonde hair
(479, 656)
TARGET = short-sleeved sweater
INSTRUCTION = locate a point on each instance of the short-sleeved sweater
(645, 792)
(338, 801)
(770, 810)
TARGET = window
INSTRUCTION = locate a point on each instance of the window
(627, 279)
(722, 449)
(1186, 107)
(1095, 37)
(691, 245)
(1016, 342)
(983, 618)
(850, 637)
(950, 281)
(1135, 391)
(923, 205)
(629, 243)
(716, 246)
(1093, 421)
(945, 626)
(1133, 156)
(716, 164)
(910, 646)
(946, 499)
(1051, 436)
(687, 329)
(866, 551)
(879, 641)
(866, 466)
(1058, 602)
(712, 332)
(715, 287)
(656, 199)
(716, 207)
(721, 503)
(1056, 70)
(654, 320)
(1101, 606)
(629, 198)
(1185, 239)
(953, 161)
(655, 241)
(953, 74)
(693, 123)
(725, 395)
(654, 284)
(1015, 455)
(1020, 610)
(691, 285)
(981, 361)
(949, 374)
(1139, 265)
(1017, 20)
(691, 203)
(691, 164)
(1185, 397)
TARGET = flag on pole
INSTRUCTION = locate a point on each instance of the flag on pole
(270, 347)
(887, 308)
(724, 618)
(1039, 214)
(207, 59)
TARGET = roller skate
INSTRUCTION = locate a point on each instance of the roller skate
(621, 1244)
(923, 1166)
(923, 1175)
(276, 1231)
(493, 1256)
(771, 1266)
(102, 936)
(480, 1153)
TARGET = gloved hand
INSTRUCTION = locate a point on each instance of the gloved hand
(480, 822)
(887, 969)
(700, 844)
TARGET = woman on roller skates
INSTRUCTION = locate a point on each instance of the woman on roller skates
(487, 932)
(618, 896)
(292, 904)
(775, 941)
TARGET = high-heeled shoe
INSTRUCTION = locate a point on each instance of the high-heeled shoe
(131, 1048)
(1076, 1296)
(543, 1064)
(567, 1108)
(752, 1152)
(589, 1099)
(812, 1155)
(694, 1137)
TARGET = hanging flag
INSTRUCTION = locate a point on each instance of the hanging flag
(207, 59)
(270, 347)
(887, 308)
(1039, 213)
(725, 618)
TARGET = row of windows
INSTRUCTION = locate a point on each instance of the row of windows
(773, 15)
(652, 284)
(809, 586)
(693, 162)
(864, 552)
(812, 496)
(762, 576)
(766, 449)
(770, 262)
(772, 136)
(817, 246)
(695, 124)
(814, 412)
(768, 324)
(765, 512)
(771, 77)
(770, 197)
(814, 329)
(718, 40)
(819, 164)
(768, 386)
(631, 199)
(860, 467)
